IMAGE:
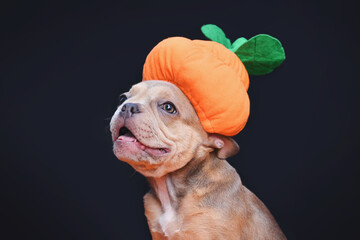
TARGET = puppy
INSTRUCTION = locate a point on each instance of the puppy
(195, 193)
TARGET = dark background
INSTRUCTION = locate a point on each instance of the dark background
(63, 66)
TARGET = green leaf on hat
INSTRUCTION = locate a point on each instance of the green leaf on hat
(261, 54)
(238, 43)
(215, 34)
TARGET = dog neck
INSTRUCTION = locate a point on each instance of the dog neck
(171, 188)
(184, 184)
(163, 188)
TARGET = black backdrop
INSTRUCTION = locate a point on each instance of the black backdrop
(63, 66)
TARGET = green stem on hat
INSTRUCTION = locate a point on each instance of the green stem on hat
(260, 54)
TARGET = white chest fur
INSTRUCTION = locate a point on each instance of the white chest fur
(168, 220)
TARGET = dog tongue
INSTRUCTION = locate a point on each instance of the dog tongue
(128, 137)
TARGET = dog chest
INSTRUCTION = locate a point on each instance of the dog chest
(168, 223)
(167, 220)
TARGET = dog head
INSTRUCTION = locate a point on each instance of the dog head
(156, 130)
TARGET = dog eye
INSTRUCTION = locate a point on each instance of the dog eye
(122, 99)
(169, 107)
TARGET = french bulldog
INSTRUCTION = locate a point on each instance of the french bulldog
(195, 193)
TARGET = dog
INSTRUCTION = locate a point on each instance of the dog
(195, 193)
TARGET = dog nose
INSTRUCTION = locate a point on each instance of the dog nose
(129, 109)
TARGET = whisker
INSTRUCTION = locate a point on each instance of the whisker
(132, 175)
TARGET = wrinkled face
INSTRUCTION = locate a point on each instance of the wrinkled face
(156, 129)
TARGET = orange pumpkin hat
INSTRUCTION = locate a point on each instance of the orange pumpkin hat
(212, 76)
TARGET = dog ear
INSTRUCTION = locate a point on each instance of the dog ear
(226, 146)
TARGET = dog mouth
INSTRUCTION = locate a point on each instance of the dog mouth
(126, 136)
